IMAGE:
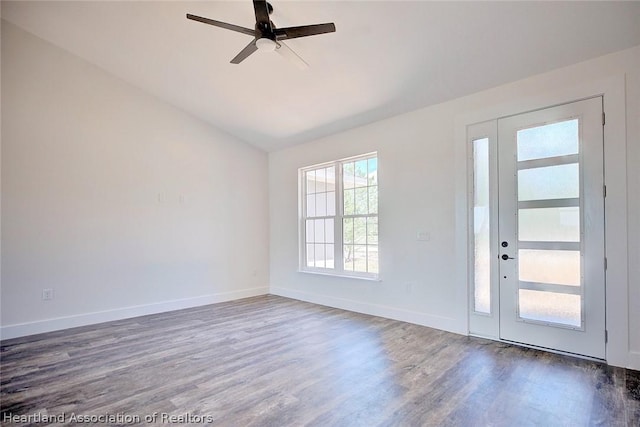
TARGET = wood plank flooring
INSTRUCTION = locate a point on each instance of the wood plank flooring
(273, 361)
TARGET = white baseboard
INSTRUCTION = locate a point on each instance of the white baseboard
(56, 324)
(437, 322)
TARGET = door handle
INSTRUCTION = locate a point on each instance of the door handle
(506, 257)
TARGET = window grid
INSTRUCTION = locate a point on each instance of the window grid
(339, 229)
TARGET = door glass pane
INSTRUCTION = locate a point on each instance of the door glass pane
(556, 139)
(549, 224)
(482, 256)
(549, 266)
(551, 182)
(550, 307)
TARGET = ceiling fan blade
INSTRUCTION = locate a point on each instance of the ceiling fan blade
(244, 53)
(262, 11)
(290, 55)
(225, 25)
(303, 31)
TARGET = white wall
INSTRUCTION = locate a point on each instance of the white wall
(121, 203)
(633, 208)
(422, 174)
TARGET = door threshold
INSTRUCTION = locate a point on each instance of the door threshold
(548, 350)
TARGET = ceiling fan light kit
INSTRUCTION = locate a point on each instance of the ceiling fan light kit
(266, 37)
(266, 45)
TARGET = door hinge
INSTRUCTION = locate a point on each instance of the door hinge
(606, 263)
(604, 191)
(603, 119)
(606, 336)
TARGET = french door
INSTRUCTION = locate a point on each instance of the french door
(548, 246)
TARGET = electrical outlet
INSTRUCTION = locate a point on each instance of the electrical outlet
(47, 294)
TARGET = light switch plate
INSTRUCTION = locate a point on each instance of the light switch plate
(423, 236)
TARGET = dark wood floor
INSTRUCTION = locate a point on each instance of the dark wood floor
(272, 361)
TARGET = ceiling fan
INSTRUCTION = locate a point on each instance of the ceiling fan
(266, 36)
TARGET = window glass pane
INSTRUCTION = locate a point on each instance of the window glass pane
(328, 230)
(549, 266)
(310, 255)
(311, 205)
(372, 254)
(321, 180)
(321, 204)
(319, 231)
(361, 173)
(319, 255)
(331, 203)
(347, 175)
(309, 231)
(481, 231)
(549, 224)
(311, 182)
(362, 201)
(347, 231)
(372, 166)
(373, 199)
(348, 257)
(330, 251)
(556, 139)
(551, 182)
(550, 307)
(360, 258)
(360, 230)
(331, 179)
(372, 231)
(349, 202)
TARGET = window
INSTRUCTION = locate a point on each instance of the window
(481, 227)
(339, 217)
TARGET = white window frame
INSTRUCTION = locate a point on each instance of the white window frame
(338, 268)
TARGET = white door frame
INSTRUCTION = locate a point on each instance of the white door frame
(529, 97)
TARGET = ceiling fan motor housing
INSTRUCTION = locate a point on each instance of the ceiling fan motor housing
(265, 30)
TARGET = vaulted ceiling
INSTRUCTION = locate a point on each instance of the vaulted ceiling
(386, 57)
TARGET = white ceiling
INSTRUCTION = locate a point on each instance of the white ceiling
(386, 57)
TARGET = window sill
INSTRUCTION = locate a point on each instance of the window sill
(342, 276)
